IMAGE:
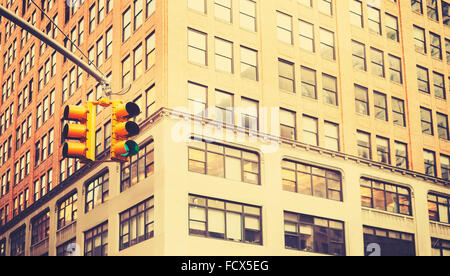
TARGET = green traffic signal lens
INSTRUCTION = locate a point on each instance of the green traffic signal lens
(131, 147)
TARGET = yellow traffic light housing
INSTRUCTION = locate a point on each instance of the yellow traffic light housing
(84, 132)
(122, 129)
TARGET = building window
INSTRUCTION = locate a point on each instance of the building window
(439, 85)
(96, 241)
(224, 220)
(311, 180)
(222, 10)
(386, 197)
(150, 53)
(137, 224)
(308, 82)
(374, 19)
(3, 247)
(126, 72)
(364, 148)
(287, 124)
(380, 103)
(440, 247)
(327, 43)
(442, 124)
(359, 55)
(63, 249)
(138, 62)
(67, 211)
(432, 10)
(356, 13)
(325, 6)
(197, 98)
(197, 5)
(224, 55)
(97, 191)
(377, 62)
(419, 40)
(310, 130)
(429, 162)
(401, 155)
(138, 13)
(224, 107)
(40, 227)
(249, 63)
(392, 243)
(197, 49)
(314, 234)
(331, 133)
(383, 150)
(223, 161)
(426, 118)
(247, 15)
(126, 25)
(329, 85)
(306, 35)
(398, 112)
(362, 100)
(439, 208)
(286, 75)
(17, 239)
(284, 27)
(392, 31)
(249, 114)
(445, 167)
(138, 168)
(435, 45)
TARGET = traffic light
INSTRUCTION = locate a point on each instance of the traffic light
(122, 129)
(84, 132)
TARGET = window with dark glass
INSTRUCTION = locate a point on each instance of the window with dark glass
(17, 239)
(439, 207)
(40, 227)
(392, 243)
(314, 234)
(224, 161)
(440, 247)
(136, 224)
(311, 180)
(386, 197)
(96, 241)
(220, 219)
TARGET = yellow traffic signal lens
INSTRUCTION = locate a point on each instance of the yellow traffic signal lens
(73, 131)
(127, 111)
(74, 150)
(126, 129)
(75, 113)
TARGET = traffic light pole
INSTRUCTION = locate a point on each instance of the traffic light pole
(91, 70)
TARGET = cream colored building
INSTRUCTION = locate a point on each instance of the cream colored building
(291, 127)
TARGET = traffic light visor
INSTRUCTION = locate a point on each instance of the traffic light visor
(127, 111)
(73, 112)
(73, 131)
(74, 150)
(126, 129)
